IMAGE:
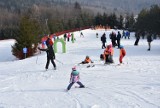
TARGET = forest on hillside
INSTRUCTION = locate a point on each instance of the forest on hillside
(56, 14)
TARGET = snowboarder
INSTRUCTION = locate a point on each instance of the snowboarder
(74, 78)
(50, 53)
(122, 54)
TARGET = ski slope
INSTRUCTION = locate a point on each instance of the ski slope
(136, 84)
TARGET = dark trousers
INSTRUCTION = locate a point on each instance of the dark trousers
(70, 85)
(136, 42)
(68, 39)
(48, 61)
(149, 45)
(109, 59)
(103, 45)
(118, 42)
(106, 60)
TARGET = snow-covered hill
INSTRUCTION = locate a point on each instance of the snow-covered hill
(136, 84)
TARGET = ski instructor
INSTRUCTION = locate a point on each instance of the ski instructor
(50, 53)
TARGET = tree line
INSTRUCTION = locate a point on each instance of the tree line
(149, 20)
(28, 26)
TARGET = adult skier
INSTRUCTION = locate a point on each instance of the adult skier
(50, 53)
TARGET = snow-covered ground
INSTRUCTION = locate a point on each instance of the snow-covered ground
(136, 84)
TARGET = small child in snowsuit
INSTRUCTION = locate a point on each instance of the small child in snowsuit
(74, 78)
(86, 61)
(122, 54)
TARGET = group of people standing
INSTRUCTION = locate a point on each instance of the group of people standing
(115, 39)
(67, 36)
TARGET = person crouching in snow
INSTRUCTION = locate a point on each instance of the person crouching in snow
(87, 60)
(122, 54)
(74, 78)
(108, 54)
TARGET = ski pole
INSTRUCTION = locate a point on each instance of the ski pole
(37, 54)
(59, 61)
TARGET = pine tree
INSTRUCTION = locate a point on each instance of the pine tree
(27, 36)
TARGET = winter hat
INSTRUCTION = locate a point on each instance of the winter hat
(109, 46)
(74, 68)
(87, 56)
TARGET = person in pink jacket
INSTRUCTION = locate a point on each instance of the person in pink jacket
(68, 36)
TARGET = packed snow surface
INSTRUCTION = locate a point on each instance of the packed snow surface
(134, 84)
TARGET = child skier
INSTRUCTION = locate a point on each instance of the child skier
(74, 78)
(122, 54)
(86, 61)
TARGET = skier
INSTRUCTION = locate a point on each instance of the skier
(74, 78)
(137, 34)
(50, 53)
(65, 36)
(118, 38)
(68, 36)
(81, 34)
(103, 39)
(96, 35)
(113, 38)
(149, 40)
(122, 54)
(87, 60)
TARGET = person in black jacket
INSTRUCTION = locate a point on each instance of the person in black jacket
(118, 39)
(149, 40)
(103, 39)
(50, 54)
(137, 35)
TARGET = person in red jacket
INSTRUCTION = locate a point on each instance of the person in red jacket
(122, 54)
